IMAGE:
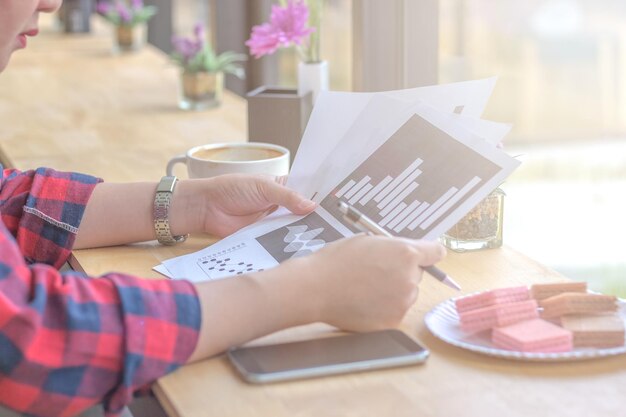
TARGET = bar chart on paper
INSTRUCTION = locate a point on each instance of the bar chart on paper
(413, 181)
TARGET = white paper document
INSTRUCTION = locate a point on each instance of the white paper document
(413, 163)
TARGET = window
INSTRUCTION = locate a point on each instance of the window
(186, 13)
(336, 47)
(562, 85)
(559, 63)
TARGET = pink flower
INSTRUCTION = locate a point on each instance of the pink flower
(263, 40)
(287, 26)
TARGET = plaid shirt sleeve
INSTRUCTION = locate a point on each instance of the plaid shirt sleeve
(66, 342)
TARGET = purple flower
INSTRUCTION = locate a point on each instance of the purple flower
(103, 8)
(199, 32)
(187, 48)
(123, 11)
(137, 4)
(126, 12)
(287, 26)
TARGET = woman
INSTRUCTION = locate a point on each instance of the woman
(67, 342)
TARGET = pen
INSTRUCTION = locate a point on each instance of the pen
(364, 223)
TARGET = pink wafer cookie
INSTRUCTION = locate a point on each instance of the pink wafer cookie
(498, 315)
(489, 298)
(535, 335)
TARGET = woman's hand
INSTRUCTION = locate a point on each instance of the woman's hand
(227, 203)
(369, 282)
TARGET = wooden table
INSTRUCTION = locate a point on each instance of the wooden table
(453, 382)
(67, 103)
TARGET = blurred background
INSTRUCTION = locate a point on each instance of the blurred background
(561, 68)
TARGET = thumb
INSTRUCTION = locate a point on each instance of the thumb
(275, 193)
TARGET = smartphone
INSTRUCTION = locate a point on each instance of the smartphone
(327, 356)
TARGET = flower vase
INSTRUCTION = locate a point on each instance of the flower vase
(481, 228)
(200, 90)
(313, 77)
(129, 37)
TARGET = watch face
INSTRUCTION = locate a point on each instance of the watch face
(167, 184)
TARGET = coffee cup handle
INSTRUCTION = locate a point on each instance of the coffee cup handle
(180, 159)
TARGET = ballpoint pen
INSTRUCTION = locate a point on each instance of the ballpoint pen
(367, 225)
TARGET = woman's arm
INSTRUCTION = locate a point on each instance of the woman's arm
(119, 213)
(357, 284)
(114, 334)
(341, 284)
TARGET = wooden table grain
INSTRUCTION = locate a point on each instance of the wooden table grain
(67, 102)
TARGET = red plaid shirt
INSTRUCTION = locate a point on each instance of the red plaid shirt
(66, 342)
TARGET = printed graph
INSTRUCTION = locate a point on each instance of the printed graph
(300, 238)
(412, 181)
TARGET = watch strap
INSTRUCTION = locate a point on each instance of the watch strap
(162, 203)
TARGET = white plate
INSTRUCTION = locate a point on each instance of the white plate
(443, 322)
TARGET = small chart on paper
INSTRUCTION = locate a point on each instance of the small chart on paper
(242, 258)
(412, 181)
(299, 238)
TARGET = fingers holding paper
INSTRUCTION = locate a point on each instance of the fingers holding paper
(235, 201)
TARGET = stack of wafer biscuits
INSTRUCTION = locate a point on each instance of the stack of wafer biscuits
(568, 316)
(592, 318)
(490, 298)
(498, 307)
(486, 318)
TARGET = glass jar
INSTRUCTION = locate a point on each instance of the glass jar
(200, 90)
(481, 228)
(129, 37)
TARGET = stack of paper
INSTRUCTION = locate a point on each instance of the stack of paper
(415, 161)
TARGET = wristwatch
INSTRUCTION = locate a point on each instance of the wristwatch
(162, 202)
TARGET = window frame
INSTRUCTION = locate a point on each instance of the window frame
(396, 44)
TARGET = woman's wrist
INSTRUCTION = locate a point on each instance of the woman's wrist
(255, 305)
(188, 208)
(295, 289)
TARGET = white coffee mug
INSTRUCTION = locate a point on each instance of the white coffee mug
(233, 158)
